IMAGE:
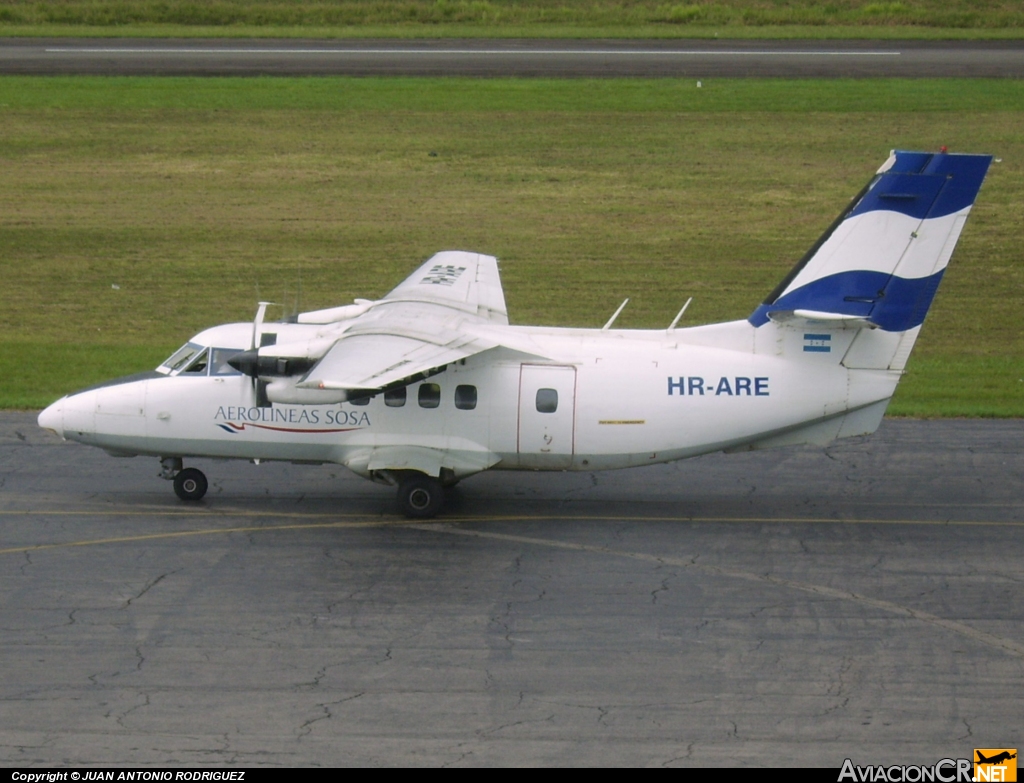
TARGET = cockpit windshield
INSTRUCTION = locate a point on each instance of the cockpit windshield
(198, 365)
(195, 359)
(180, 358)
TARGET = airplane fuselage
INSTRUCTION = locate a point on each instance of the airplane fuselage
(612, 399)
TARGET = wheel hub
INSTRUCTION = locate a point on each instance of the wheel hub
(419, 499)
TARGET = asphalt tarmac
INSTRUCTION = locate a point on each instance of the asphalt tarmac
(789, 607)
(594, 58)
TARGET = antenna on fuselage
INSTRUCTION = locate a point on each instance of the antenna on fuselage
(615, 315)
(679, 315)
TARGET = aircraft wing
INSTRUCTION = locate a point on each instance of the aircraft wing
(419, 327)
(373, 361)
(467, 281)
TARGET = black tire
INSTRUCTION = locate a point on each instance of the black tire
(420, 497)
(190, 484)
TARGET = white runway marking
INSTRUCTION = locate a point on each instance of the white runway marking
(448, 52)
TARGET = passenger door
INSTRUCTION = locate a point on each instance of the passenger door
(547, 415)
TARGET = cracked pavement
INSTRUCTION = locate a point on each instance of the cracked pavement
(777, 608)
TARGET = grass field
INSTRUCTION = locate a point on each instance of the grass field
(136, 211)
(517, 18)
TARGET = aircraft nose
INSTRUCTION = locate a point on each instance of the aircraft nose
(52, 418)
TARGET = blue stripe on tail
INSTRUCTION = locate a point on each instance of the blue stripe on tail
(893, 303)
(924, 186)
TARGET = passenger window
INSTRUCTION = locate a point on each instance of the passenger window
(465, 397)
(430, 395)
(360, 400)
(394, 398)
(198, 366)
(547, 400)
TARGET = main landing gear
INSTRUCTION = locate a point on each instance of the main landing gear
(189, 483)
(420, 496)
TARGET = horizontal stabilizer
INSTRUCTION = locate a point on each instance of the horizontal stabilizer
(805, 318)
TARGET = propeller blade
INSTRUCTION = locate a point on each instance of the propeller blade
(257, 324)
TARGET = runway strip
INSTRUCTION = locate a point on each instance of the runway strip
(468, 57)
(442, 53)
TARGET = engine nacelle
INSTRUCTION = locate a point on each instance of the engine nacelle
(284, 390)
(256, 365)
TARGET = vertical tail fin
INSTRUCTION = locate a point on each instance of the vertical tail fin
(880, 263)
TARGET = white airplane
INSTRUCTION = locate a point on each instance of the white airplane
(431, 384)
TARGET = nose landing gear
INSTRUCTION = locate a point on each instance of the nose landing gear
(189, 483)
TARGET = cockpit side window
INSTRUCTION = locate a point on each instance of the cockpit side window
(219, 361)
